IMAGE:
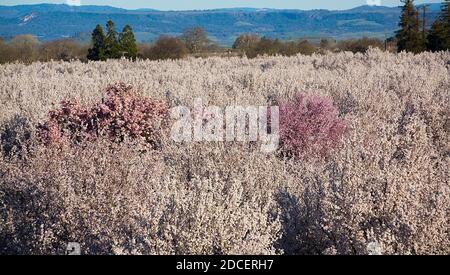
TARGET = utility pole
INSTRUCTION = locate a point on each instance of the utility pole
(385, 40)
(424, 17)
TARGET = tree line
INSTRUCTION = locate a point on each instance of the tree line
(194, 42)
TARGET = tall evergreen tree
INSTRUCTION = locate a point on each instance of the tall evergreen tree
(127, 42)
(445, 15)
(409, 37)
(111, 46)
(96, 53)
(435, 39)
(439, 37)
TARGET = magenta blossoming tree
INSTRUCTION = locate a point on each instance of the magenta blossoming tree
(121, 114)
(309, 126)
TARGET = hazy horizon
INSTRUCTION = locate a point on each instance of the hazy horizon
(206, 5)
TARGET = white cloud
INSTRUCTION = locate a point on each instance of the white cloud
(374, 2)
(73, 2)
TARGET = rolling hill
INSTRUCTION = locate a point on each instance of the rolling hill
(50, 21)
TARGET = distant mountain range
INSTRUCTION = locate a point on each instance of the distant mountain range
(50, 21)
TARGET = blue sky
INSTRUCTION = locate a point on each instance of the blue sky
(210, 4)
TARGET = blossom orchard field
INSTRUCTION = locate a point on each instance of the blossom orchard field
(361, 166)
